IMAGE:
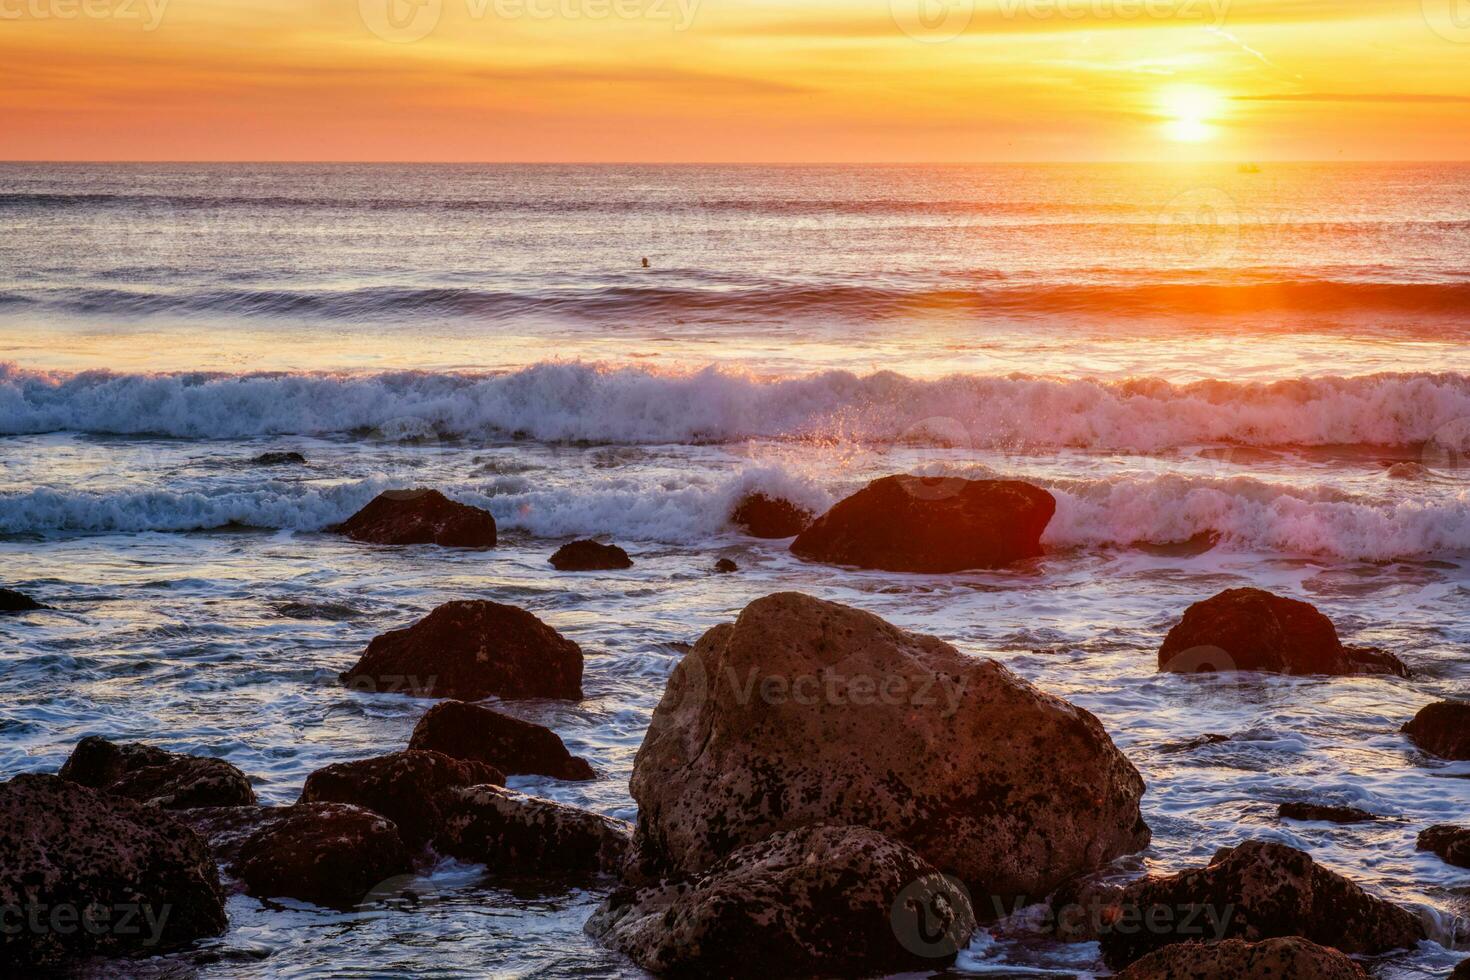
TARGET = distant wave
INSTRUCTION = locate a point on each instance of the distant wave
(585, 403)
(1242, 513)
(1441, 304)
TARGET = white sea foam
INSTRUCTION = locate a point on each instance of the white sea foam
(580, 402)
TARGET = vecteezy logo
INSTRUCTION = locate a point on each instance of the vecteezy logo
(1450, 19)
(1201, 225)
(932, 21)
(401, 21)
(931, 916)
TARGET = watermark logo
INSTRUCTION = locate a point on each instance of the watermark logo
(401, 21)
(1450, 19)
(407, 21)
(400, 893)
(148, 13)
(931, 917)
(1448, 450)
(932, 21)
(1201, 226)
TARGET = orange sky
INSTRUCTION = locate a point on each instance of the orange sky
(734, 80)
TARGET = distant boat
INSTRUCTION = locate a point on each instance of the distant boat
(1248, 168)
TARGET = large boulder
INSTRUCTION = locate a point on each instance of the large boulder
(806, 712)
(151, 775)
(515, 747)
(819, 901)
(1286, 959)
(1462, 971)
(409, 788)
(1251, 629)
(513, 832)
(589, 556)
(12, 601)
(1442, 729)
(84, 873)
(922, 524)
(1258, 890)
(420, 517)
(1452, 844)
(324, 853)
(761, 516)
(472, 649)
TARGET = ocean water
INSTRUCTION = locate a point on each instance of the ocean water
(1225, 378)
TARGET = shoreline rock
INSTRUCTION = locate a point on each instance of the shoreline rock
(472, 649)
(517, 748)
(1451, 843)
(1442, 729)
(400, 517)
(930, 525)
(279, 458)
(12, 601)
(170, 780)
(1324, 813)
(328, 854)
(725, 566)
(807, 712)
(763, 516)
(1287, 959)
(513, 832)
(589, 556)
(1252, 630)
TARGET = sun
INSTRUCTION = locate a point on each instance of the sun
(1190, 111)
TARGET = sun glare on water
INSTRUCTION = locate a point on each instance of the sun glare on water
(1190, 112)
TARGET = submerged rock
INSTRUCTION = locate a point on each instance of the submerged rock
(1286, 959)
(279, 459)
(325, 853)
(1324, 813)
(12, 601)
(420, 517)
(408, 788)
(171, 780)
(819, 901)
(472, 649)
(513, 832)
(84, 873)
(761, 516)
(806, 712)
(589, 556)
(725, 566)
(1251, 629)
(1442, 729)
(1258, 890)
(921, 524)
(515, 747)
(1452, 844)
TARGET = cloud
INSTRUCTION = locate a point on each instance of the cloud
(1404, 97)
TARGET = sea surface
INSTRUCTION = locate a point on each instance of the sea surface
(1226, 378)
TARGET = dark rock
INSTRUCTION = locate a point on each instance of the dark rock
(761, 516)
(408, 788)
(515, 747)
(324, 853)
(1452, 844)
(12, 601)
(1324, 813)
(807, 712)
(589, 556)
(1198, 742)
(472, 649)
(1259, 890)
(918, 524)
(1251, 629)
(1284, 959)
(1462, 971)
(513, 832)
(171, 780)
(1442, 729)
(279, 459)
(819, 901)
(97, 875)
(420, 517)
(725, 566)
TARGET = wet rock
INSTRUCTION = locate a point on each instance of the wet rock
(12, 601)
(589, 556)
(1258, 890)
(919, 524)
(472, 649)
(1251, 629)
(409, 788)
(1324, 813)
(1287, 959)
(279, 459)
(171, 780)
(324, 853)
(420, 517)
(1452, 844)
(1198, 742)
(515, 747)
(819, 901)
(1462, 971)
(90, 874)
(513, 832)
(807, 712)
(761, 516)
(1442, 729)
(725, 566)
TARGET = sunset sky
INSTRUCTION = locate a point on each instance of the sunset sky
(734, 80)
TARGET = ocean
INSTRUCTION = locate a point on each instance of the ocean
(1226, 378)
